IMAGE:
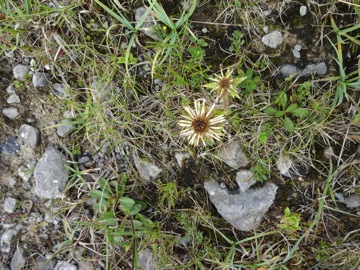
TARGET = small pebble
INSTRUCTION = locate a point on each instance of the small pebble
(25, 173)
(58, 89)
(204, 30)
(9, 205)
(31, 119)
(303, 10)
(11, 112)
(20, 72)
(273, 39)
(297, 47)
(10, 89)
(267, 12)
(13, 98)
(40, 79)
(12, 181)
(83, 159)
(296, 53)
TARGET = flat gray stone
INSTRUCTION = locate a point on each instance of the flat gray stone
(149, 23)
(233, 155)
(181, 157)
(18, 259)
(11, 112)
(26, 172)
(293, 169)
(65, 128)
(64, 265)
(58, 89)
(10, 89)
(147, 260)
(40, 79)
(352, 201)
(314, 69)
(9, 205)
(245, 179)
(296, 53)
(6, 240)
(50, 174)
(13, 99)
(30, 135)
(11, 181)
(243, 210)
(273, 39)
(21, 71)
(288, 69)
(41, 263)
(147, 171)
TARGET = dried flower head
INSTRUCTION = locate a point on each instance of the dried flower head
(200, 123)
(225, 85)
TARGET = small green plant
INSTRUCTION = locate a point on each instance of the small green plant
(290, 222)
(250, 83)
(237, 42)
(286, 111)
(260, 171)
(118, 215)
(322, 252)
(168, 194)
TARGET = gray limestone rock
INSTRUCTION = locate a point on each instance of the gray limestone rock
(296, 53)
(5, 241)
(64, 265)
(288, 69)
(273, 39)
(9, 205)
(314, 69)
(11, 112)
(50, 174)
(41, 263)
(58, 89)
(10, 147)
(40, 79)
(148, 171)
(291, 168)
(26, 172)
(20, 72)
(352, 201)
(11, 181)
(149, 23)
(147, 260)
(13, 98)
(64, 128)
(180, 157)
(18, 259)
(30, 135)
(245, 179)
(303, 10)
(243, 210)
(10, 89)
(233, 155)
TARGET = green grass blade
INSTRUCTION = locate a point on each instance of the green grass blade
(119, 17)
(185, 16)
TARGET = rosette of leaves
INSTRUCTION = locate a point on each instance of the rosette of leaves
(286, 112)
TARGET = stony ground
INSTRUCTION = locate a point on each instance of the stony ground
(65, 145)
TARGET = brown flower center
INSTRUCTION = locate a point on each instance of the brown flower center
(199, 125)
(225, 83)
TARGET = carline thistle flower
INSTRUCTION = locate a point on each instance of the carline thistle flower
(200, 123)
(225, 85)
